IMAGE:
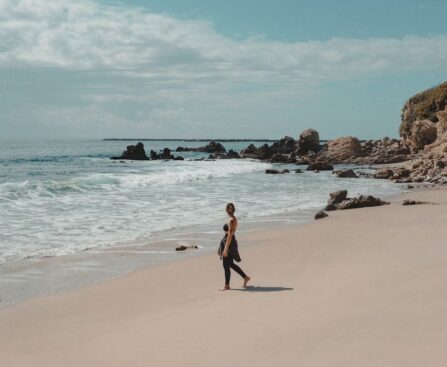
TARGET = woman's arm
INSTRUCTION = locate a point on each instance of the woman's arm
(231, 230)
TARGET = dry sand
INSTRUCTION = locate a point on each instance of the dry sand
(364, 287)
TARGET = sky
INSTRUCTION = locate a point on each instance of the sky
(215, 69)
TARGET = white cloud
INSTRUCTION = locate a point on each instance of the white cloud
(109, 70)
(86, 35)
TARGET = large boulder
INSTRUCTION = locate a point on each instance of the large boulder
(345, 173)
(309, 140)
(422, 133)
(440, 144)
(422, 107)
(346, 148)
(135, 152)
(285, 145)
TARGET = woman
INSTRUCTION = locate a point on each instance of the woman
(228, 249)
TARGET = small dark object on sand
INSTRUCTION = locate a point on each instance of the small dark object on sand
(414, 202)
(183, 247)
(321, 214)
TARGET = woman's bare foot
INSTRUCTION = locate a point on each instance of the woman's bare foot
(246, 280)
(226, 288)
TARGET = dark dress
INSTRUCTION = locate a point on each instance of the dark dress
(233, 249)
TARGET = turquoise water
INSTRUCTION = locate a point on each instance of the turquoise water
(61, 197)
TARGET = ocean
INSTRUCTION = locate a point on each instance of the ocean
(60, 197)
(66, 207)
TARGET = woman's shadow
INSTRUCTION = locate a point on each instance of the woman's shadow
(252, 288)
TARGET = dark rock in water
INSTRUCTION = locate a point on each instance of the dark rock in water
(276, 172)
(309, 140)
(211, 147)
(362, 201)
(279, 158)
(166, 154)
(179, 158)
(320, 214)
(183, 247)
(410, 187)
(298, 171)
(345, 173)
(337, 197)
(154, 155)
(414, 202)
(320, 166)
(134, 152)
(330, 207)
(231, 154)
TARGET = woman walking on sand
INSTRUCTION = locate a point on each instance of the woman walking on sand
(228, 249)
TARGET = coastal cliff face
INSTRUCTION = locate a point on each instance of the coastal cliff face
(422, 114)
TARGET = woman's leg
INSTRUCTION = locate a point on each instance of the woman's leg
(237, 269)
(226, 262)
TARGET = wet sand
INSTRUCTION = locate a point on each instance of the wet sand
(363, 287)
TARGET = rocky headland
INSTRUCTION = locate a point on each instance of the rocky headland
(419, 155)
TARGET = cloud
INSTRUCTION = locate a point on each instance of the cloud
(87, 35)
(92, 69)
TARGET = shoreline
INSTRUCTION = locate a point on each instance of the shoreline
(39, 276)
(363, 286)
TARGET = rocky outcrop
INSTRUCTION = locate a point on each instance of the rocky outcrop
(361, 201)
(134, 152)
(430, 168)
(309, 140)
(211, 147)
(346, 148)
(338, 200)
(383, 151)
(420, 116)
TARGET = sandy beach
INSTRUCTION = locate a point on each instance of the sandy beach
(364, 287)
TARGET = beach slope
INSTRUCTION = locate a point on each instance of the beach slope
(364, 287)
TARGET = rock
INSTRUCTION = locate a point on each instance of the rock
(211, 147)
(384, 173)
(298, 171)
(413, 202)
(309, 140)
(330, 207)
(276, 172)
(319, 166)
(134, 152)
(344, 149)
(231, 154)
(345, 173)
(154, 155)
(263, 152)
(362, 201)
(279, 158)
(166, 154)
(320, 214)
(423, 106)
(422, 133)
(179, 158)
(183, 247)
(337, 197)
(285, 145)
